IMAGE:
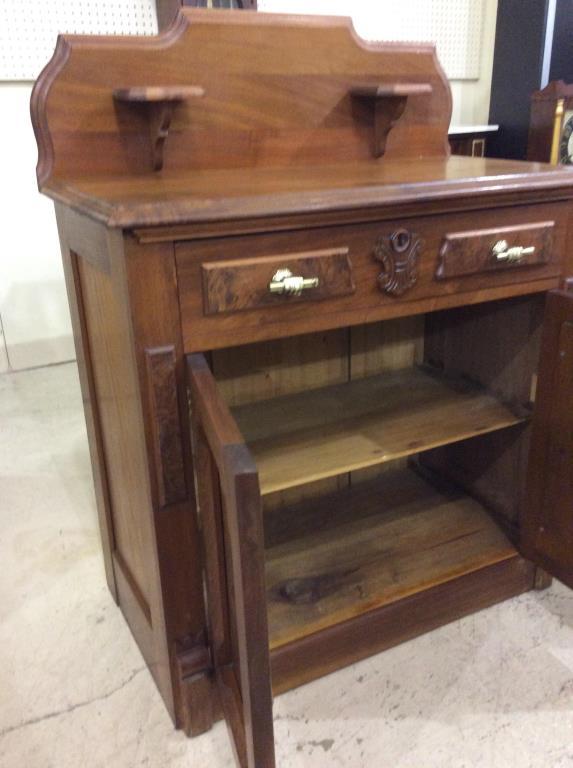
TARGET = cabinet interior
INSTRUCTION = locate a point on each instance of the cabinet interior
(391, 456)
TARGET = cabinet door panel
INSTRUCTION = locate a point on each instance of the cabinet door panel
(547, 526)
(230, 508)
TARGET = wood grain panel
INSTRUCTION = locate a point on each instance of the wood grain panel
(89, 397)
(244, 283)
(121, 452)
(149, 295)
(117, 396)
(391, 345)
(252, 113)
(342, 644)
(466, 253)
(242, 666)
(261, 371)
(256, 372)
(135, 610)
(497, 345)
(305, 437)
(352, 552)
(185, 204)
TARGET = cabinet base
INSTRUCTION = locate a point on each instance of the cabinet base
(343, 644)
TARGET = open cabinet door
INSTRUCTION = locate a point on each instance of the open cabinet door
(547, 525)
(229, 504)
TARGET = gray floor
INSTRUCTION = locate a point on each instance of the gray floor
(493, 690)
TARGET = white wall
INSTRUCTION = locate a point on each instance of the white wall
(3, 353)
(471, 97)
(33, 305)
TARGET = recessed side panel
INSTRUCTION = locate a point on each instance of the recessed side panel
(124, 446)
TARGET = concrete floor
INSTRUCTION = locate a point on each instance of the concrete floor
(494, 690)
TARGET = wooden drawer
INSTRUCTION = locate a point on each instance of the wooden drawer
(230, 286)
(498, 249)
(364, 272)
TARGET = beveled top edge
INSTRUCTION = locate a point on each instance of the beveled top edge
(531, 184)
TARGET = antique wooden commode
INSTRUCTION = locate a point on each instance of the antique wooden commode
(327, 368)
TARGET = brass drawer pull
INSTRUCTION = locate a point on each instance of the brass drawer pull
(293, 285)
(503, 253)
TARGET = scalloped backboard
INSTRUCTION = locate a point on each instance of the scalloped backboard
(455, 26)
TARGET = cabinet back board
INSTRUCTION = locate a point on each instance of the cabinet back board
(251, 113)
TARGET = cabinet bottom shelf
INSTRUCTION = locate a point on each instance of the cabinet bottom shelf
(335, 558)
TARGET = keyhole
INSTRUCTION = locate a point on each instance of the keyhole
(401, 240)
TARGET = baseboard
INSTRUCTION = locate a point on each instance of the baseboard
(37, 353)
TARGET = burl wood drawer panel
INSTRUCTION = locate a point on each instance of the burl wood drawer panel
(230, 286)
(469, 253)
(360, 273)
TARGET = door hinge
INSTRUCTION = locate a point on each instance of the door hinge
(193, 656)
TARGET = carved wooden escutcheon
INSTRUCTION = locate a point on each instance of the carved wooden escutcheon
(398, 254)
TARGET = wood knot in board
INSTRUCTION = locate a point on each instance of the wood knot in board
(311, 589)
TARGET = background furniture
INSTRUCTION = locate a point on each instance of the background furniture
(532, 48)
(470, 140)
(308, 342)
(550, 125)
(167, 9)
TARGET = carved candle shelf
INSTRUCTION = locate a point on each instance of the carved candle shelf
(388, 104)
(161, 102)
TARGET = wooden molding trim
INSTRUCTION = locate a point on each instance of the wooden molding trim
(168, 450)
(40, 91)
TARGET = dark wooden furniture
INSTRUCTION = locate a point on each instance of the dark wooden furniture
(521, 61)
(471, 140)
(318, 419)
(167, 9)
(532, 50)
(551, 124)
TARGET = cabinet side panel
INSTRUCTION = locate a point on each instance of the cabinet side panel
(94, 260)
(93, 425)
(117, 397)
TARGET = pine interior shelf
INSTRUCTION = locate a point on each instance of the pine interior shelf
(347, 553)
(324, 432)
